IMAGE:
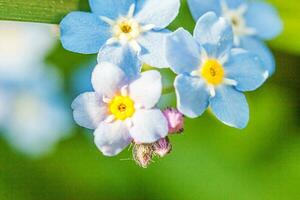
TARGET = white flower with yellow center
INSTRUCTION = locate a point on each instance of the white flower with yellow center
(121, 109)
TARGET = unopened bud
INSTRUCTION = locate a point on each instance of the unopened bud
(175, 120)
(162, 147)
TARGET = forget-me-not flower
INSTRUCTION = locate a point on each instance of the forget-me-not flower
(33, 117)
(139, 23)
(122, 108)
(252, 22)
(211, 72)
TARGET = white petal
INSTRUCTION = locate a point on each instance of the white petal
(147, 89)
(107, 79)
(89, 110)
(112, 138)
(148, 126)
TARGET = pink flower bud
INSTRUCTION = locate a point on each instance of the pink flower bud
(162, 147)
(142, 154)
(175, 120)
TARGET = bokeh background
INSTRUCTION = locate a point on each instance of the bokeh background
(44, 155)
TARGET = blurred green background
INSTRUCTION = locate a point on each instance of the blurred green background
(209, 161)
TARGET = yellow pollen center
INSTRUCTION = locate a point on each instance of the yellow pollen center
(122, 107)
(212, 71)
(125, 28)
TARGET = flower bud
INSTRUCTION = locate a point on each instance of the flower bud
(162, 147)
(175, 120)
(142, 154)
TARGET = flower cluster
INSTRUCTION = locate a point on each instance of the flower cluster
(222, 59)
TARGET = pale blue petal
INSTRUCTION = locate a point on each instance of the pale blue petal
(264, 19)
(153, 48)
(147, 89)
(83, 32)
(123, 57)
(233, 4)
(89, 110)
(157, 12)
(258, 47)
(192, 95)
(200, 7)
(182, 52)
(112, 138)
(148, 126)
(107, 79)
(246, 68)
(214, 34)
(111, 8)
(230, 107)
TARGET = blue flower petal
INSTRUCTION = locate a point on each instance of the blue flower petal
(89, 110)
(214, 34)
(264, 19)
(199, 8)
(111, 8)
(182, 52)
(246, 68)
(153, 48)
(192, 95)
(123, 57)
(157, 12)
(230, 107)
(148, 126)
(83, 32)
(258, 47)
(108, 79)
(146, 90)
(233, 4)
(112, 138)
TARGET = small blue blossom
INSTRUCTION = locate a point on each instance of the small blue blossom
(122, 108)
(211, 72)
(252, 21)
(139, 23)
(33, 117)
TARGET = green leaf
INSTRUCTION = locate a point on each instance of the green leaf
(44, 11)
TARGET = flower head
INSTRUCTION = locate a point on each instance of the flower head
(249, 20)
(122, 108)
(175, 120)
(213, 73)
(139, 23)
(162, 147)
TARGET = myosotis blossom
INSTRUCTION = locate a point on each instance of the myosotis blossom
(139, 23)
(122, 108)
(252, 21)
(213, 73)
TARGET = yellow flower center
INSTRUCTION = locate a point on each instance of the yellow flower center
(122, 107)
(125, 27)
(212, 71)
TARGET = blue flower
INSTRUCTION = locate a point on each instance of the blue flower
(122, 108)
(139, 23)
(33, 117)
(251, 21)
(211, 72)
